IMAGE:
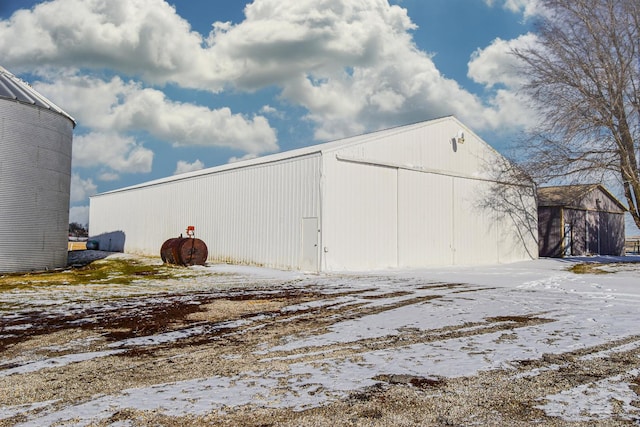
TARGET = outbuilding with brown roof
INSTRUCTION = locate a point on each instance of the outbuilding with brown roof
(579, 220)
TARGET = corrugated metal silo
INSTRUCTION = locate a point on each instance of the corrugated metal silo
(35, 178)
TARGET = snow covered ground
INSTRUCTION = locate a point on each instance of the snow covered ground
(432, 323)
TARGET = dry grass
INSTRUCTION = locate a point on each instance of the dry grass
(113, 271)
(588, 268)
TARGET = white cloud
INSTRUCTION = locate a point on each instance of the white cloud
(403, 86)
(281, 40)
(79, 215)
(272, 111)
(267, 109)
(353, 65)
(528, 8)
(184, 166)
(81, 188)
(496, 65)
(239, 159)
(143, 37)
(108, 176)
(123, 107)
(120, 153)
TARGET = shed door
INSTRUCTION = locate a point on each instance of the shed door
(309, 244)
(568, 240)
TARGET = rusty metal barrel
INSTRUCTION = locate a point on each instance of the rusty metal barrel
(184, 251)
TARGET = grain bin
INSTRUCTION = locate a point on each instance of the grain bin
(35, 178)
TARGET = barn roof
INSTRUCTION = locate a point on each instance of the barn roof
(15, 89)
(299, 152)
(570, 195)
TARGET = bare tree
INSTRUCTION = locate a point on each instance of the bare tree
(583, 77)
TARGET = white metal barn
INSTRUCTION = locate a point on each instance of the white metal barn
(406, 197)
(35, 178)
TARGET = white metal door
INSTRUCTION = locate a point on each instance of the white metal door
(309, 244)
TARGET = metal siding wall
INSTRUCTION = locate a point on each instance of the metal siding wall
(616, 234)
(489, 230)
(359, 216)
(577, 220)
(518, 226)
(251, 215)
(475, 235)
(442, 217)
(35, 177)
(425, 219)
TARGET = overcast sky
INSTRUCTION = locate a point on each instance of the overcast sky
(159, 88)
